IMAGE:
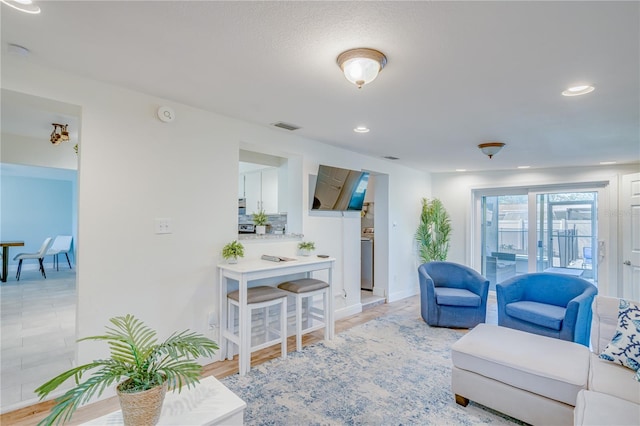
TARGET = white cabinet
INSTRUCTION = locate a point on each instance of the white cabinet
(253, 191)
(261, 190)
(270, 190)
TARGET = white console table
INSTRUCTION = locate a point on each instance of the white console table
(208, 403)
(251, 270)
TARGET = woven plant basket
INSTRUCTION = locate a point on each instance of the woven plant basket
(142, 408)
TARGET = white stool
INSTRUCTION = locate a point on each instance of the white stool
(307, 288)
(261, 297)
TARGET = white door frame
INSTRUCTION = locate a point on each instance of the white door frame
(629, 265)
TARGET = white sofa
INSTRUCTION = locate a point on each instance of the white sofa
(613, 395)
(546, 381)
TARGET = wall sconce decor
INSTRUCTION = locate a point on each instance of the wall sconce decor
(361, 66)
(59, 134)
(491, 148)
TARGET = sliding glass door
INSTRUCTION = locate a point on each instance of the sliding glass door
(563, 240)
(566, 233)
(505, 250)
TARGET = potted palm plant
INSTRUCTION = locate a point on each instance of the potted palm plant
(260, 220)
(148, 368)
(232, 251)
(434, 232)
(306, 247)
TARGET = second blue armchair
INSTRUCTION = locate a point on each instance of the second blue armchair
(452, 295)
(548, 304)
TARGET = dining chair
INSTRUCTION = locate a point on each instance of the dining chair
(39, 255)
(62, 244)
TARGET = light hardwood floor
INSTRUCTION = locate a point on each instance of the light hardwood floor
(29, 416)
(33, 414)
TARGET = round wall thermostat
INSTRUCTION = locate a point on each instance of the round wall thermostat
(166, 114)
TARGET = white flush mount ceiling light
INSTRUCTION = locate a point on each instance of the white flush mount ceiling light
(361, 129)
(578, 90)
(362, 65)
(26, 6)
(491, 148)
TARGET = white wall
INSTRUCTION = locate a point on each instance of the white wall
(187, 171)
(17, 149)
(455, 191)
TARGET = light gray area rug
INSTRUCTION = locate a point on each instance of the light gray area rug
(392, 370)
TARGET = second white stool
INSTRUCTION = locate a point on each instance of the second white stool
(307, 288)
(261, 297)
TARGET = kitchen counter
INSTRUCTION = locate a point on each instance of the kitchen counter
(270, 237)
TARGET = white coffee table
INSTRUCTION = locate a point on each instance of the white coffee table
(209, 403)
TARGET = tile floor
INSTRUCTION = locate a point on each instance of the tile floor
(37, 322)
(369, 300)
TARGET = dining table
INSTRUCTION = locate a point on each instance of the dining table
(5, 256)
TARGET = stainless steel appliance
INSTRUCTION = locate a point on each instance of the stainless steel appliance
(246, 228)
(366, 265)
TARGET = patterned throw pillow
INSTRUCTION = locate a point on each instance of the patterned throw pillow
(624, 348)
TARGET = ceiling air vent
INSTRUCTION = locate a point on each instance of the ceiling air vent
(390, 157)
(286, 126)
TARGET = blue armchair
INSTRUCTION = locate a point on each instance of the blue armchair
(452, 295)
(548, 304)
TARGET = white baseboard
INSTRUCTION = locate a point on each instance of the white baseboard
(347, 311)
(394, 297)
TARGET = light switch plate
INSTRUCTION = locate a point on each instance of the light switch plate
(163, 226)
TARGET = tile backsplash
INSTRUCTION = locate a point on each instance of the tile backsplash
(276, 224)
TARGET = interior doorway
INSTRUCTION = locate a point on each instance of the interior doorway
(40, 186)
(374, 242)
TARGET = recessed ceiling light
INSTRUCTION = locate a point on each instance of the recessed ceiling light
(361, 129)
(578, 90)
(26, 6)
(523, 167)
(606, 163)
(461, 170)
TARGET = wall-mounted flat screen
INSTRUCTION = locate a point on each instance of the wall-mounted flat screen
(339, 189)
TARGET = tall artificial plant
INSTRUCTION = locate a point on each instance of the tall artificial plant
(434, 231)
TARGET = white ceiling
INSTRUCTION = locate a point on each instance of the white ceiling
(458, 73)
(33, 116)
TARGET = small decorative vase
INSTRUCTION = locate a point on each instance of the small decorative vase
(305, 252)
(142, 408)
(261, 229)
(232, 260)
